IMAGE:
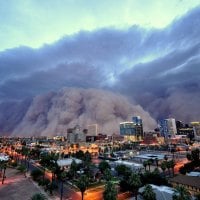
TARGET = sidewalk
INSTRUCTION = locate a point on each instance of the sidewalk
(17, 186)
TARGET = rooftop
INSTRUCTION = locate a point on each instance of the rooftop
(68, 161)
(193, 181)
(162, 192)
(193, 174)
(150, 156)
(131, 164)
(4, 157)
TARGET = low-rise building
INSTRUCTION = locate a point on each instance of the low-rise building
(162, 192)
(133, 166)
(67, 162)
(191, 183)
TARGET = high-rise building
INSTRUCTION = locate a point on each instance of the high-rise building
(196, 128)
(75, 135)
(137, 120)
(185, 129)
(167, 127)
(92, 130)
(132, 130)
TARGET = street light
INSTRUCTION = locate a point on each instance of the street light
(4, 170)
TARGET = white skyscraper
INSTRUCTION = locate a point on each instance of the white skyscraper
(92, 130)
(168, 127)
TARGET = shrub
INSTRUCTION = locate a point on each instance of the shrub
(44, 182)
(36, 174)
(38, 196)
(13, 164)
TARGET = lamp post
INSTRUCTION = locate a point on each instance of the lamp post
(63, 177)
(4, 170)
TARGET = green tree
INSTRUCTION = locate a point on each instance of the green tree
(121, 170)
(134, 183)
(26, 153)
(103, 166)
(82, 184)
(194, 156)
(87, 163)
(73, 168)
(35, 152)
(38, 196)
(62, 155)
(80, 154)
(148, 193)
(36, 174)
(50, 161)
(110, 192)
(22, 169)
(181, 193)
(87, 157)
(107, 175)
(197, 196)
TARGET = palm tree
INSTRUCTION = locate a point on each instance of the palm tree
(134, 183)
(149, 162)
(148, 193)
(22, 169)
(181, 193)
(38, 196)
(163, 166)
(25, 152)
(172, 165)
(168, 165)
(110, 192)
(82, 184)
(145, 165)
(63, 176)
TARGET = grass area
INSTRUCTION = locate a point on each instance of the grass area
(115, 180)
(96, 184)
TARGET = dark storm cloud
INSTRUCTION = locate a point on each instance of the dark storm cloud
(70, 75)
(168, 81)
(157, 68)
(170, 84)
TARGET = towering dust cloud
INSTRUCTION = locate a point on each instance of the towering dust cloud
(54, 112)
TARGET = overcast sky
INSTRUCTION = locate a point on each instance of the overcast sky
(145, 50)
(35, 22)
